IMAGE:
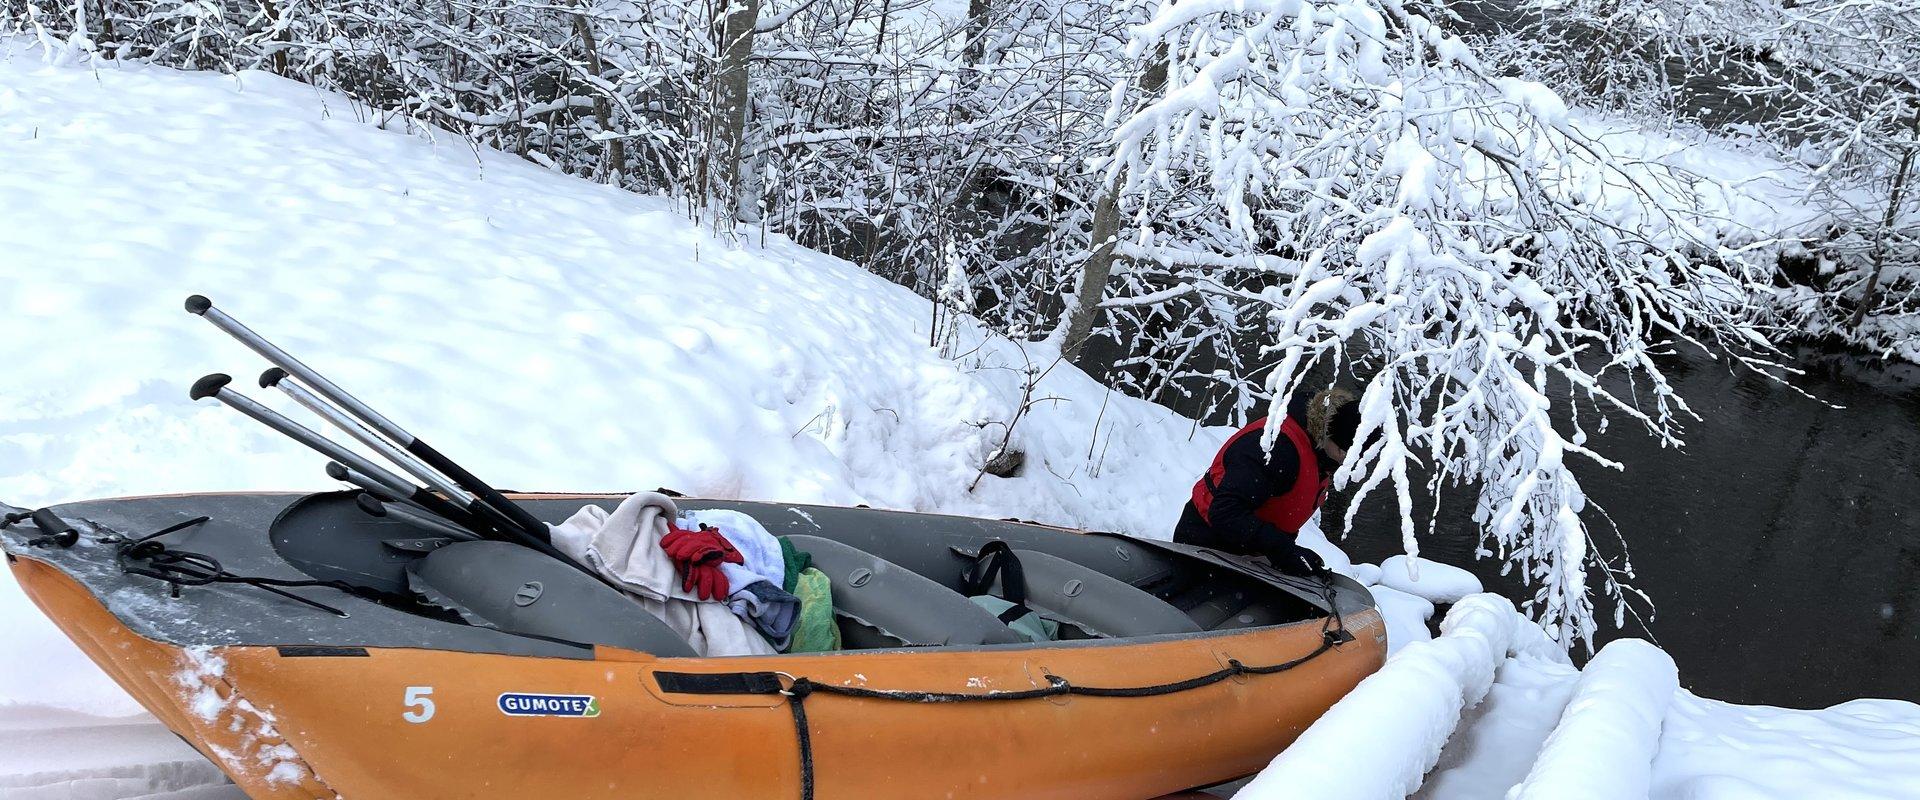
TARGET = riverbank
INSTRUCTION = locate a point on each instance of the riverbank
(566, 335)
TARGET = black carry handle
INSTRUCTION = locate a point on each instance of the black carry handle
(53, 529)
(996, 556)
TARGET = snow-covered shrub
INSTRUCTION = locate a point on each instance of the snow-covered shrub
(602, 89)
(1838, 82)
(1847, 76)
(1585, 53)
(1348, 170)
(890, 134)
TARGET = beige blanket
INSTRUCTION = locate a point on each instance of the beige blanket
(624, 546)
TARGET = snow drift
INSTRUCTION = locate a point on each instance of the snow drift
(1491, 708)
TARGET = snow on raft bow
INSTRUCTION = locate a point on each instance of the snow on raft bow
(1189, 667)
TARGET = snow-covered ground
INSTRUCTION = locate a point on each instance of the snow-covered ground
(1488, 710)
(556, 334)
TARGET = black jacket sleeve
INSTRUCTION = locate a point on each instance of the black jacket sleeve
(1251, 477)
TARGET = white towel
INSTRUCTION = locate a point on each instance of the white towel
(624, 546)
(757, 547)
(763, 564)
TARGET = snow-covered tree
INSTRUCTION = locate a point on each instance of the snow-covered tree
(1846, 78)
(1348, 170)
(1839, 85)
(608, 89)
(964, 136)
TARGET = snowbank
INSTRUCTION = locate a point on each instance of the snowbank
(1742, 197)
(1405, 614)
(1706, 749)
(1436, 582)
(1368, 574)
(548, 332)
(1422, 691)
(1604, 745)
(553, 332)
(1860, 750)
(55, 754)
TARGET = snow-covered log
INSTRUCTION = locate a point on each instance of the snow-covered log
(1608, 735)
(1404, 713)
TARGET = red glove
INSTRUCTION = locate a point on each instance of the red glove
(705, 581)
(698, 555)
(699, 547)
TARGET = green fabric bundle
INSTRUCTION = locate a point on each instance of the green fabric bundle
(797, 560)
(816, 631)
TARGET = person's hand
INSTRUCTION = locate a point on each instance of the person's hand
(1293, 559)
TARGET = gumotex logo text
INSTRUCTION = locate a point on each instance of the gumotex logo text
(519, 704)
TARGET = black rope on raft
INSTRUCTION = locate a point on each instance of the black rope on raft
(150, 558)
(1333, 633)
(797, 702)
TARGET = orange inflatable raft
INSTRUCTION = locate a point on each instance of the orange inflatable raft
(314, 651)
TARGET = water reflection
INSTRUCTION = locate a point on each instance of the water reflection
(1782, 545)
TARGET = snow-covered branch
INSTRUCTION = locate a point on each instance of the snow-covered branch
(1452, 241)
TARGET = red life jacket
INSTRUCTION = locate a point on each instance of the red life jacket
(1288, 510)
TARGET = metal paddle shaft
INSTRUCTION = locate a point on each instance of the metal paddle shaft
(477, 516)
(530, 526)
(393, 495)
(341, 473)
(401, 513)
(276, 378)
(215, 386)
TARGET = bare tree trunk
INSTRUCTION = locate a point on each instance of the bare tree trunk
(879, 51)
(979, 13)
(602, 108)
(279, 58)
(1093, 276)
(1106, 229)
(1894, 199)
(736, 27)
(972, 56)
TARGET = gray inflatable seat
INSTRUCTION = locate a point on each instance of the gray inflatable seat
(1219, 605)
(517, 590)
(1254, 615)
(892, 606)
(1097, 602)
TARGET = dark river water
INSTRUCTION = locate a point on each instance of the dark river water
(1781, 546)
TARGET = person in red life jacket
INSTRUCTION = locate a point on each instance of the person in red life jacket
(1252, 502)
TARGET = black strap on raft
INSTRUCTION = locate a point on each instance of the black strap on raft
(1333, 633)
(148, 557)
(995, 558)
